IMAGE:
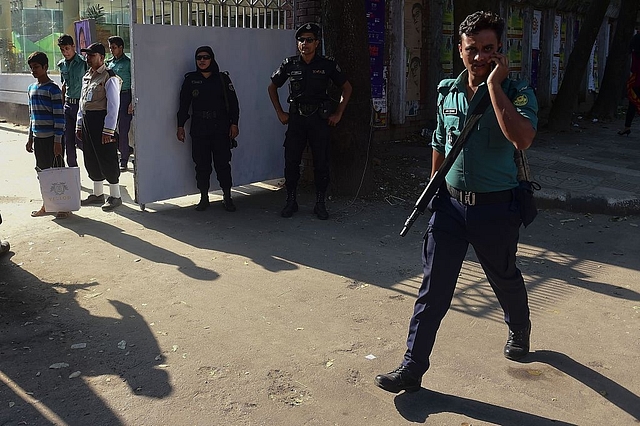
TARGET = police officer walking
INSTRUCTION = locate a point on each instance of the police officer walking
(479, 204)
(310, 115)
(214, 125)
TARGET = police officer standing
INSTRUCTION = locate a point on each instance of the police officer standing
(96, 125)
(478, 205)
(72, 68)
(120, 64)
(214, 125)
(309, 116)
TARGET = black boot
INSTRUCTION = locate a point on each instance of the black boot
(204, 201)
(517, 346)
(320, 209)
(227, 202)
(292, 205)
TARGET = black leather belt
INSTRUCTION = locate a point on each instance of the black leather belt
(306, 110)
(205, 114)
(72, 101)
(125, 90)
(480, 198)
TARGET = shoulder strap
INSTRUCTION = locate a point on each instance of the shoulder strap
(438, 178)
(224, 91)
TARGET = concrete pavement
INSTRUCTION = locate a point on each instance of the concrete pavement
(590, 169)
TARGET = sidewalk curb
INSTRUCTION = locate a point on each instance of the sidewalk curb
(581, 203)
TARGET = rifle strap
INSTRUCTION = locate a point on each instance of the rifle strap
(472, 121)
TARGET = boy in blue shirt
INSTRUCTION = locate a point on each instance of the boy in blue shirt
(46, 120)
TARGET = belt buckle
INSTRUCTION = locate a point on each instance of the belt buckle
(469, 198)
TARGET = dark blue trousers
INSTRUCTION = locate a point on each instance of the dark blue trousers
(493, 231)
(124, 124)
(206, 148)
(70, 140)
(314, 130)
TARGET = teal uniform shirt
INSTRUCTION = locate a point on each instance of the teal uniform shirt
(486, 162)
(71, 73)
(122, 68)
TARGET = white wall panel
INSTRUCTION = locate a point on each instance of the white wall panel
(161, 56)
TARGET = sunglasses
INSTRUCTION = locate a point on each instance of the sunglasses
(306, 39)
(203, 57)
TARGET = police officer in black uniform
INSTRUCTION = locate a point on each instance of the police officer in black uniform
(310, 115)
(214, 125)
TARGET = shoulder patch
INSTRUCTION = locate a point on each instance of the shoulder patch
(521, 100)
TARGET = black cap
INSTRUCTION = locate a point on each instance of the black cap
(309, 27)
(95, 48)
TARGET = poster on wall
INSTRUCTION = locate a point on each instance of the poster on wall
(375, 10)
(556, 34)
(535, 29)
(413, 23)
(515, 30)
(555, 75)
(413, 74)
(412, 43)
(446, 50)
(380, 105)
(85, 33)
(561, 55)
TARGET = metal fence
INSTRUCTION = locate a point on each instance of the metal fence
(276, 14)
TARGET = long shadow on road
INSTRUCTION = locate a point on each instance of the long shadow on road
(618, 395)
(40, 323)
(417, 407)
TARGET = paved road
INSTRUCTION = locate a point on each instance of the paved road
(245, 318)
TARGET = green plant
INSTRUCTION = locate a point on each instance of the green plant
(95, 12)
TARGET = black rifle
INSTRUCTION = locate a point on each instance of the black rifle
(438, 178)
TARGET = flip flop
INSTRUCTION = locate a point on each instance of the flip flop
(62, 215)
(40, 212)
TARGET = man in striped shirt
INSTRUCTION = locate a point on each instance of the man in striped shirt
(46, 119)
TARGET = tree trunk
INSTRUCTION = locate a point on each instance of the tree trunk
(345, 37)
(617, 70)
(560, 115)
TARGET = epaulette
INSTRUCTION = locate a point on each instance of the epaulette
(445, 86)
(189, 73)
(291, 59)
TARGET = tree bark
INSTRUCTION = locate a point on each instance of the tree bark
(560, 115)
(617, 68)
(345, 37)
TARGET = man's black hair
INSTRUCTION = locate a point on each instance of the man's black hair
(65, 40)
(38, 58)
(117, 40)
(482, 20)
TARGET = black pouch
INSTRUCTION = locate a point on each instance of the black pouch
(526, 201)
(325, 109)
